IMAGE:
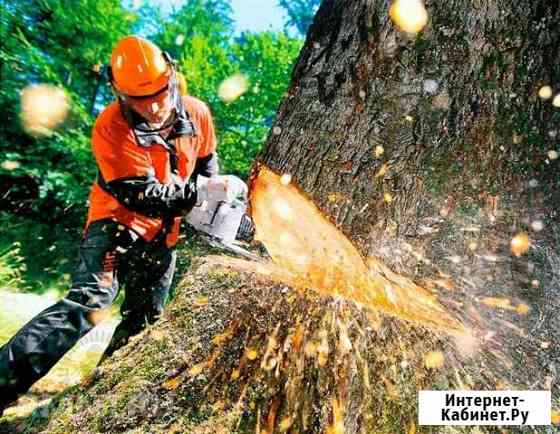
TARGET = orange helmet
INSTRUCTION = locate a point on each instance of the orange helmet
(139, 67)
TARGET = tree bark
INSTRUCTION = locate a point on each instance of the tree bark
(385, 131)
(455, 110)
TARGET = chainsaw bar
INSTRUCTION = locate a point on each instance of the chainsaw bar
(233, 248)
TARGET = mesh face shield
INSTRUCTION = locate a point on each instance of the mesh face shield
(162, 101)
(166, 99)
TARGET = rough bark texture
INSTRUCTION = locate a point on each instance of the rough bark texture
(455, 109)
(465, 141)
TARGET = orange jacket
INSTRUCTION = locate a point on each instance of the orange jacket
(119, 156)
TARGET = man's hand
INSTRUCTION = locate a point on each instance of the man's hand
(220, 187)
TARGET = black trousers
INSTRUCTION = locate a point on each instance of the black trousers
(109, 253)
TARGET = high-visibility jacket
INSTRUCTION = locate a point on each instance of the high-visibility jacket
(147, 188)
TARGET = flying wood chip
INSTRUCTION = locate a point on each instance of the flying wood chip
(43, 108)
(409, 15)
(434, 360)
(520, 244)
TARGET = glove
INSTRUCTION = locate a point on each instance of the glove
(220, 188)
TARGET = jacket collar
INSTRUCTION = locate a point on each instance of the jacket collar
(180, 123)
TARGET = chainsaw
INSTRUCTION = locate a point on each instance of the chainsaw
(224, 224)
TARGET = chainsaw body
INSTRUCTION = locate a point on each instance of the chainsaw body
(220, 220)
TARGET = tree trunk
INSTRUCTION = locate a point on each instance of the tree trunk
(454, 110)
(389, 133)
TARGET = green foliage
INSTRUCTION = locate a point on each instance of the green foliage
(36, 257)
(265, 59)
(12, 266)
(58, 42)
(63, 43)
(208, 54)
(300, 13)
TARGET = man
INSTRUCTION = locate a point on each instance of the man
(156, 155)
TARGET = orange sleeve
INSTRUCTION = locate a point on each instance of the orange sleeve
(208, 135)
(117, 155)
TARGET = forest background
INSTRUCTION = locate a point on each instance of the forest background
(45, 180)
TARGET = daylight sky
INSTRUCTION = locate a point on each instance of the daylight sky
(255, 15)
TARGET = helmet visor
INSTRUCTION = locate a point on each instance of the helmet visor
(154, 108)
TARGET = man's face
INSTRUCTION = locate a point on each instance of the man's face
(155, 109)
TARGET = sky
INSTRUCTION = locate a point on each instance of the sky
(258, 15)
(254, 15)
